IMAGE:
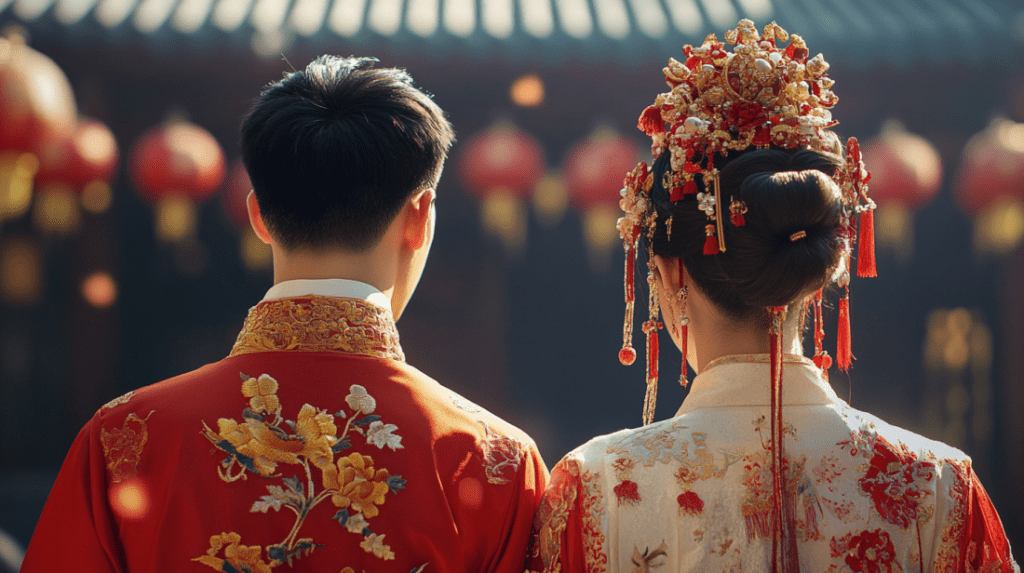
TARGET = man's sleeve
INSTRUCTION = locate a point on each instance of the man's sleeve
(76, 529)
(557, 543)
(524, 497)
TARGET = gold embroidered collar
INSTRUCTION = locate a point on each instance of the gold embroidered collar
(316, 323)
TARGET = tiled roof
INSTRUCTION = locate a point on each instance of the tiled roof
(866, 31)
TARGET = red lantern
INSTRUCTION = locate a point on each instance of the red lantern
(906, 172)
(594, 171)
(501, 166)
(37, 106)
(82, 164)
(37, 110)
(175, 166)
(989, 186)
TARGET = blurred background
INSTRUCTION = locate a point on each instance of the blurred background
(125, 254)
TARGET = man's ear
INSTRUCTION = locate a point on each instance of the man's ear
(255, 218)
(417, 218)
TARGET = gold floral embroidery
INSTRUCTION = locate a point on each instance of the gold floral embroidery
(123, 399)
(552, 516)
(592, 509)
(122, 448)
(262, 442)
(502, 455)
(320, 324)
(948, 556)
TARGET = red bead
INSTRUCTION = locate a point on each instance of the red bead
(627, 356)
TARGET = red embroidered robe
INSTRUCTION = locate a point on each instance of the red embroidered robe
(312, 447)
(693, 493)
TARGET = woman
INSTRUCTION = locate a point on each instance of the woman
(749, 211)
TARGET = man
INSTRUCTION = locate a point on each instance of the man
(313, 446)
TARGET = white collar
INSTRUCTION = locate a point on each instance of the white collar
(329, 287)
(744, 380)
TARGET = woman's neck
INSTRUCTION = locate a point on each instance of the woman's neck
(710, 336)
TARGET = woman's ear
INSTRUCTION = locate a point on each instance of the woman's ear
(666, 273)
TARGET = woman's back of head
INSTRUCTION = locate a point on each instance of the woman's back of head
(789, 245)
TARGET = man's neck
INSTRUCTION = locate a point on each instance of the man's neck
(368, 267)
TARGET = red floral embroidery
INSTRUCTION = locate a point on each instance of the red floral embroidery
(627, 490)
(868, 552)
(896, 482)
(690, 503)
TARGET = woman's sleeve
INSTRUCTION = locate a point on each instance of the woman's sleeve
(973, 539)
(558, 530)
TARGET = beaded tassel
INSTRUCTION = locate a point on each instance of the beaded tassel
(627, 355)
(684, 321)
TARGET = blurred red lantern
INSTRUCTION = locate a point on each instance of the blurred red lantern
(906, 172)
(594, 171)
(175, 166)
(81, 165)
(501, 166)
(37, 110)
(989, 186)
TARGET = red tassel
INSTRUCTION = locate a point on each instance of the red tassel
(738, 220)
(866, 245)
(630, 263)
(650, 121)
(711, 242)
(690, 187)
(676, 194)
(844, 354)
(683, 381)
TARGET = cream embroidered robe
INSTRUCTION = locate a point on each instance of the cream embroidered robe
(693, 493)
(313, 447)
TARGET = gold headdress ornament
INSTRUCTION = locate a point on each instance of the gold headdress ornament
(760, 94)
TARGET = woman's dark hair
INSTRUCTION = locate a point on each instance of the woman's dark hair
(335, 150)
(786, 191)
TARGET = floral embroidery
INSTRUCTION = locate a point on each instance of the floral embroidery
(122, 448)
(264, 440)
(320, 324)
(644, 562)
(655, 445)
(701, 468)
(592, 507)
(502, 456)
(552, 515)
(627, 490)
(948, 556)
(896, 480)
(756, 506)
(237, 557)
(866, 552)
(123, 399)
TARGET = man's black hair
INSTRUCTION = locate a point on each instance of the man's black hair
(335, 150)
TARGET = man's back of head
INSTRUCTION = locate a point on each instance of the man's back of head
(335, 150)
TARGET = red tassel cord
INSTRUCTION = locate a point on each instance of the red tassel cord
(844, 353)
(821, 358)
(784, 551)
(651, 328)
(710, 242)
(866, 245)
(627, 355)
